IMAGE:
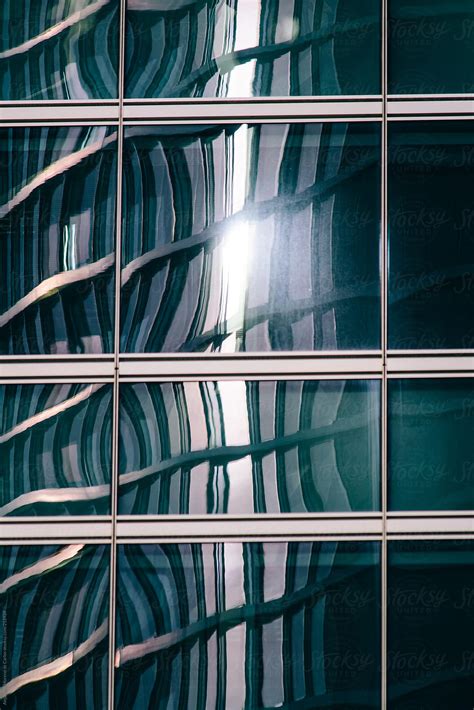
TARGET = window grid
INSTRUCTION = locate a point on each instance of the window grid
(117, 367)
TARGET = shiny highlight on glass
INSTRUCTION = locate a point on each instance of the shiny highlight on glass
(251, 238)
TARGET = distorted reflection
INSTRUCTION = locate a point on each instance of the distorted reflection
(54, 634)
(255, 625)
(55, 449)
(245, 447)
(251, 237)
(252, 48)
(58, 49)
(57, 230)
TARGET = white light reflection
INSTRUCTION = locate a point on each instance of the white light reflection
(235, 271)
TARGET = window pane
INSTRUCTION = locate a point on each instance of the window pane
(55, 449)
(248, 625)
(431, 47)
(430, 621)
(54, 603)
(249, 447)
(431, 460)
(57, 225)
(431, 236)
(252, 237)
(51, 49)
(269, 48)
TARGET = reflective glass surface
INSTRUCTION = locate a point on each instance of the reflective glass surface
(431, 456)
(248, 625)
(58, 49)
(249, 447)
(54, 634)
(55, 449)
(57, 230)
(252, 48)
(430, 46)
(252, 237)
(431, 235)
(430, 624)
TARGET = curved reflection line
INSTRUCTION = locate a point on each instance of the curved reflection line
(50, 412)
(258, 210)
(260, 314)
(226, 62)
(53, 668)
(47, 564)
(228, 619)
(55, 29)
(56, 495)
(55, 283)
(52, 171)
(229, 453)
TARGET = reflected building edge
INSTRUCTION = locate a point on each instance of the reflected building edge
(248, 625)
(217, 48)
(251, 238)
(55, 449)
(249, 447)
(54, 636)
(57, 232)
(58, 49)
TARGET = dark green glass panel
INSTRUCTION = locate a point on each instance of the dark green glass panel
(431, 456)
(431, 235)
(249, 447)
(430, 624)
(54, 634)
(206, 48)
(431, 46)
(254, 625)
(251, 237)
(57, 231)
(55, 449)
(58, 49)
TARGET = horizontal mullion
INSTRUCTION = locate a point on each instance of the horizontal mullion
(60, 529)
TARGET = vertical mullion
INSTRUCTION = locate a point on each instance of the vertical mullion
(115, 427)
(384, 302)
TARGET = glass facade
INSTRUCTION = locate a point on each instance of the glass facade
(236, 354)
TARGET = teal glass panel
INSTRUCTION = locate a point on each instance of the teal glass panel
(55, 449)
(249, 447)
(236, 48)
(430, 623)
(57, 231)
(58, 49)
(430, 46)
(54, 634)
(251, 238)
(431, 235)
(431, 458)
(254, 625)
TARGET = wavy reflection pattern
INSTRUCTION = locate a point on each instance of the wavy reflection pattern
(54, 602)
(252, 237)
(58, 49)
(245, 447)
(254, 625)
(55, 449)
(235, 48)
(57, 226)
